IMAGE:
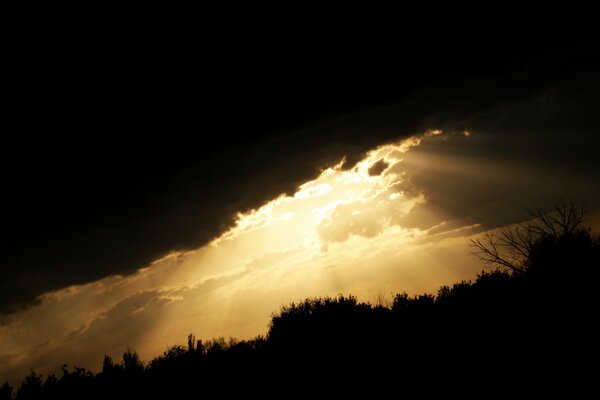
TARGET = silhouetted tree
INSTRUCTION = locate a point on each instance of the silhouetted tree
(511, 246)
(31, 387)
(132, 364)
(6, 391)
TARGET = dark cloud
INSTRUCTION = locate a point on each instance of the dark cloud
(108, 167)
(529, 154)
(378, 168)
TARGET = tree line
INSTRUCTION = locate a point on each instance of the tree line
(526, 325)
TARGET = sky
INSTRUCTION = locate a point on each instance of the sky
(149, 200)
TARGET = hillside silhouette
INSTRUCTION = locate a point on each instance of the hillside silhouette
(525, 326)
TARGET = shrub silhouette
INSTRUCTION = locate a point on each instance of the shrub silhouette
(31, 387)
(515, 247)
(525, 329)
(6, 391)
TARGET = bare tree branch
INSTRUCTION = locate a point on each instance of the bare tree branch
(511, 246)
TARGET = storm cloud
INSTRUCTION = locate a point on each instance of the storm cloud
(107, 172)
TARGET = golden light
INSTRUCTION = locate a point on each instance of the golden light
(339, 233)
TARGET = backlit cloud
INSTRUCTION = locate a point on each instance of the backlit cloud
(398, 220)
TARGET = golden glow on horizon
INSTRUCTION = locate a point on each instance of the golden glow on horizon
(339, 233)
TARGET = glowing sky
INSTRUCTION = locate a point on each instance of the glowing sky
(370, 231)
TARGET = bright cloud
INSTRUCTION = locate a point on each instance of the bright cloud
(341, 232)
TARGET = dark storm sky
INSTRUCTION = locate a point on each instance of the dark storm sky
(115, 154)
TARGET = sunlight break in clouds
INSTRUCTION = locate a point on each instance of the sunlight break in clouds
(339, 233)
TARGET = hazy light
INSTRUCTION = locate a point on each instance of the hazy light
(339, 233)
